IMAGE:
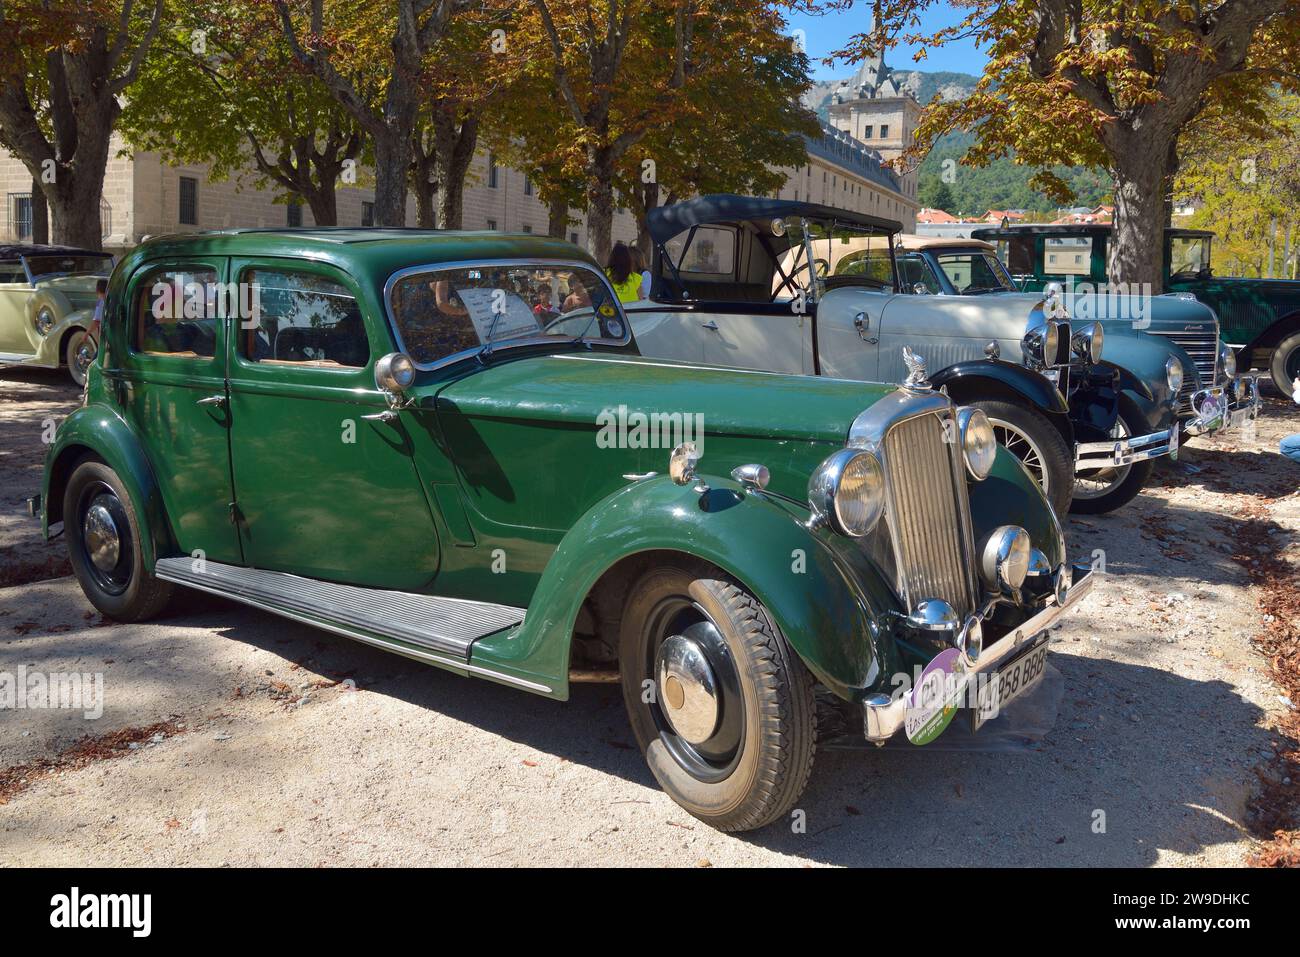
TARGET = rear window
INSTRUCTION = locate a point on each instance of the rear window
(173, 311)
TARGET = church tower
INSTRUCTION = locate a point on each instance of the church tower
(876, 109)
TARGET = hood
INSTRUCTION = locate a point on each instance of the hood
(79, 290)
(575, 388)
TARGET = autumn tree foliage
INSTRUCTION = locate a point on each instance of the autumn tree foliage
(222, 87)
(1102, 83)
(64, 67)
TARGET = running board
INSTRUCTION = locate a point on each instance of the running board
(448, 626)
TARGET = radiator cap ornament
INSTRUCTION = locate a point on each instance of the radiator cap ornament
(917, 378)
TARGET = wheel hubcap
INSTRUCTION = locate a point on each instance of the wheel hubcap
(1023, 448)
(103, 542)
(689, 696)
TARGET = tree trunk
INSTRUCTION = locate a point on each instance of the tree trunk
(426, 210)
(324, 205)
(40, 215)
(454, 146)
(649, 196)
(392, 160)
(1136, 251)
(600, 204)
(557, 218)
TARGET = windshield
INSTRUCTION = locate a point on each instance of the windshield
(1189, 255)
(69, 265)
(975, 273)
(841, 254)
(441, 313)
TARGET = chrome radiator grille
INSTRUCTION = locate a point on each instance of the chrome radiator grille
(1202, 345)
(928, 513)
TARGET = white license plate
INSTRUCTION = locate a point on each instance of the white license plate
(1010, 683)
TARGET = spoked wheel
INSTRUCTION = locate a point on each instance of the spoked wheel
(1097, 491)
(1285, 365)
(722, 708)
(103, 543)
(1030, 437)
(78, 355)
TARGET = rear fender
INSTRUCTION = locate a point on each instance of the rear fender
(97, 430)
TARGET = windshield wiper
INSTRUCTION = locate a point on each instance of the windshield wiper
(486, 350)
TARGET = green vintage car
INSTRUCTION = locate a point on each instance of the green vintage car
(447, 445)
(1259, 318)
(47, 303)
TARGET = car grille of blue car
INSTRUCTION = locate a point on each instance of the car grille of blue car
(1203, 346)
(929, 512)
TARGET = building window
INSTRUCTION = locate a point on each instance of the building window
(492, 171)
(367, 214)
(528, 186)
(20, 215)
(573, 238)
(884, 131)
(492, 224)
(528, 229)
(189, 201)
(293, 215)
(866, 132)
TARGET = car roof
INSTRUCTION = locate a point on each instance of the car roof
(376, 251)
(911, 241)
(15, 250)
(665, 222)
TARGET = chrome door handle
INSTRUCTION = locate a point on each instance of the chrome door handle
(710, 325)
(217, 400)
(388, 415)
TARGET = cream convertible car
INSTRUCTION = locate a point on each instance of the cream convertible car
(47, 302)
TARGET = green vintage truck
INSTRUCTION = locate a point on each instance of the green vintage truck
(446, 445)
(1259, 318)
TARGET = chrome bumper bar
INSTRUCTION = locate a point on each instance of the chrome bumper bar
(1097, 455)
(884, 715)
(1224, 409)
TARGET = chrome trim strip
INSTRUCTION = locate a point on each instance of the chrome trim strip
(418, 654)
(461, 356)
(883, 717)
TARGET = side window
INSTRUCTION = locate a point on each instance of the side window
(1018, 254)
(11, 271)
(300, 318)
(916, 270)
(712, 251)
(175, 313)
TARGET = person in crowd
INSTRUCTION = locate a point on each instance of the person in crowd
(578, 297)
(1290, 446)
(639, 266)
(626, 281)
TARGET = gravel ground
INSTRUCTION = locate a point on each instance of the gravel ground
(278, 744)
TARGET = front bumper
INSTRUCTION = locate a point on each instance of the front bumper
(1221, 409)
(883, 715)
(1097, 455)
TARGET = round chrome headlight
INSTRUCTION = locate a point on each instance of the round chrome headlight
(848, 491)
(1174, 374)
(44, 321)
(1228, 360)
(1005, 559)
(979, 446)
(1087, 342)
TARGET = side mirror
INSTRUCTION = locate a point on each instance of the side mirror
(920, 289)
(394, 374)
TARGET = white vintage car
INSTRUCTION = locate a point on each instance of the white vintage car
(47, 305)
(733, 287)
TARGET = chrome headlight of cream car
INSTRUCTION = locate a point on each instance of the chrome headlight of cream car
(848, 492)
(44, 321)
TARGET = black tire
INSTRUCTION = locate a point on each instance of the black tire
(1028, 435)
(1104, 490)
(1285, 364)
(754, 765)
(72, 355)
(115, 581)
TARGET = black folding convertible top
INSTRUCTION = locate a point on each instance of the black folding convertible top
(665, 222)
(13, 251)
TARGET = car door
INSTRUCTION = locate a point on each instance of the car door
(774, 339)
(171, 384)
(15, 293)
(322, 490)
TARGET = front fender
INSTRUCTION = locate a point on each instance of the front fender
(98, 429)
(994, 378)
(822, 591)
(1140, 364)
(1010, 496)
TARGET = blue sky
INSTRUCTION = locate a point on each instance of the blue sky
(827, 33)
